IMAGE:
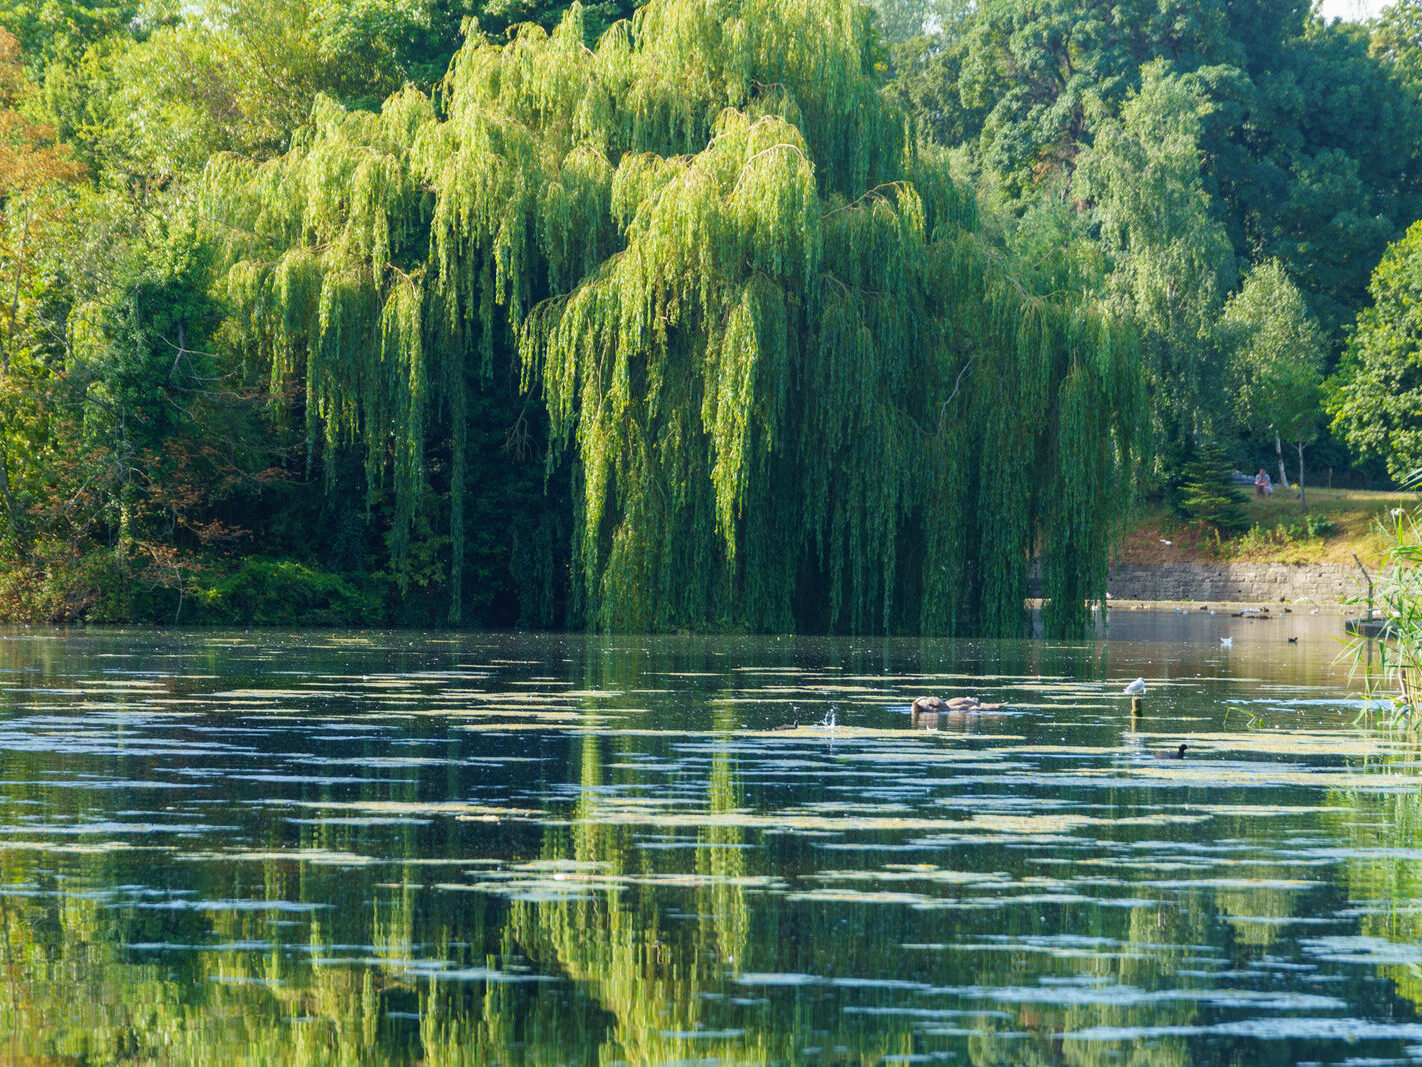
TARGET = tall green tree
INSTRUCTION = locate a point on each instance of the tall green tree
(1376, 395)
(242, 76)
(1276, 355)
(900, 21)
(1395, 37)
(1328, 168)
(35, 175)
(1309, 147)
(926, 70)
(796, 384)
(1172, 260)
(58, 30)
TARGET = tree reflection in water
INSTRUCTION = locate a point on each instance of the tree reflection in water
(558, 850)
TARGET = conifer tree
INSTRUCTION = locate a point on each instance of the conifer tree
(1207, 495)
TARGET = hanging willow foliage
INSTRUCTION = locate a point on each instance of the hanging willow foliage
(799, 387)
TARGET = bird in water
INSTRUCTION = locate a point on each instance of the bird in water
(1226, 642)
(1136, 688)
(930, 705)
(1174, 753)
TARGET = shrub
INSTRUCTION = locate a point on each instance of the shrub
(57, 583)
(267, 592)
(1320, 526)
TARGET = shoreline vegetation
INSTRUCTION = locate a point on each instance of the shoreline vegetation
(273, 592)
(737, 315)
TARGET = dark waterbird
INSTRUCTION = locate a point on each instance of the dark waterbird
(1174, 753)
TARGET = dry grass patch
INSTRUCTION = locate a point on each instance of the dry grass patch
(1280, 532)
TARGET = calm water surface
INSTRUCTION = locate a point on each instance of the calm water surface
(470, 849)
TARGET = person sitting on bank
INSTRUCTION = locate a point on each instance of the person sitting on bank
(1262, 485)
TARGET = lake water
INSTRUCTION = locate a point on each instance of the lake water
(467, 849)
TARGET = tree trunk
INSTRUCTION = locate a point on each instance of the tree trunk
(1303, 496)
(1279, 451)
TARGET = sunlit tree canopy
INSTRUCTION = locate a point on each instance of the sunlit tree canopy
(798, 387)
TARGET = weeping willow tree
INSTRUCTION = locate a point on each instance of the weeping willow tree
(796, 385)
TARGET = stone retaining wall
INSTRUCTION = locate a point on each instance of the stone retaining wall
(1248, 582)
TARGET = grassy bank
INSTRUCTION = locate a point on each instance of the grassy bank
(1339, 522)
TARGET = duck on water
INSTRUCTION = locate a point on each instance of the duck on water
(933, 705)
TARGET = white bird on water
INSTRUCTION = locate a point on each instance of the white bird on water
(1136, 688)
(1226, 642)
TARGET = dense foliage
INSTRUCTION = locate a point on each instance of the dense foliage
(1378, 404)
(1277, 355)
(1194, 142)
(749, 313)
(788, 373)
(1308, 146)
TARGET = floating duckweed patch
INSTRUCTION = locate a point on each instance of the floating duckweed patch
(77, 848)
(322, 857)
(921, 872)
(396, 807)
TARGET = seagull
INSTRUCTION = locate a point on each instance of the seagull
(1226, 642)
(1136, 688)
